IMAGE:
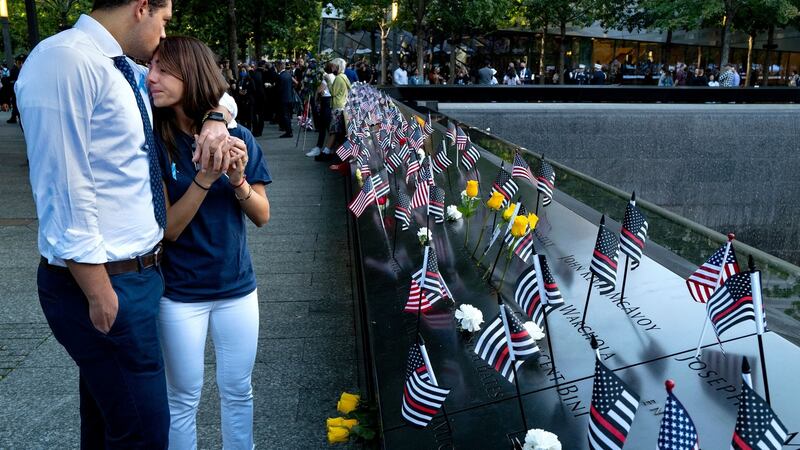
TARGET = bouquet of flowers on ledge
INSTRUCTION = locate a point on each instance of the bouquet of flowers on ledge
(358, 420)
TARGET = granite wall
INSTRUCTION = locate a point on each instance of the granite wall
(729, 167)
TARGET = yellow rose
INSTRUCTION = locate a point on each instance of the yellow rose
(338, 434)
(496, 202)
(508, 212)
(341, 422)
(519, 227)
(420, 121)
(348, 403)
(533, 219)
(472, 188)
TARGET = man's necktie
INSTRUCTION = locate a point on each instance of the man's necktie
(159, 208)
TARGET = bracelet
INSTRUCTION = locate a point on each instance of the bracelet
(201, 186)
(249, 193)
(244, 178)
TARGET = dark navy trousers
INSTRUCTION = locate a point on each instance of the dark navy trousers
(123, 393)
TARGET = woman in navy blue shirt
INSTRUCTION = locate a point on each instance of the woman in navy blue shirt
(208, 273)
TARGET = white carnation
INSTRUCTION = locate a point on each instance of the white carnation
(421, 154)
(538, 439)
(424, 235)
(453, 213)
(533, 330)
(469, 318)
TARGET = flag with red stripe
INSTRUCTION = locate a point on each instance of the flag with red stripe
(732, 303)
(537, 291)
(402, 210)
(757, 425)
(546, 182)
(493, 345)
(604, 259)
(612, 410)
(633, 234)
(427, 285)
(470, 157)
(422, 396)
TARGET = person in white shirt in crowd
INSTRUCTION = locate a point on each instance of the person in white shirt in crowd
(511, 78)
(712, 82)
(96, 181)
(400, 76)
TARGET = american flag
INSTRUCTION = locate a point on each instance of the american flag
(436, 205)
(732, 303)
(523, 247)
(347, 150)
(612, 410)
(546, 182)
(451, 132)
(362, 162)
(757, 425)
(505, 185)
(413, 167)
(381, 185)
(677, 428)
(404, 152)
(493, 346)
(461, 139)
(633, 235)
(393, 161)
(416, 137)
(428, 127)
(421, 195)
(703, 282)
(364, 198)
(422, 397)
(521, 168)
(425, 174)
(441, 162)
(535, 296)
(604, 259)
(402, 211)
(384, 139)
(427, 285)
(470, 157)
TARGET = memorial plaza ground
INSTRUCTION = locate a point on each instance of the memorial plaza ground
(306, 350)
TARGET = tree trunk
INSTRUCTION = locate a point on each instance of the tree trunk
(453, 62)
(542, 71)
(667, 49)
(747, 75)
(420, 53)
(258, 36)
(767, 59)
(233, 44)
(384, 37)
(726, 44)
(562, 53)
(372, 46)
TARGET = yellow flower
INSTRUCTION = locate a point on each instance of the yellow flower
(519, 227)
(348, 402)
(341, 422)
(420, 121)
(472, 188)
(338, 434)
(533, 219)
(496, 202)
(508, 212)
(359, 177)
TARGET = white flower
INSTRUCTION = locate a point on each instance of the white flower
(424, 235)
(453, 213)
(533, 330)
(469, 318)
(538, 439)
(421, 154)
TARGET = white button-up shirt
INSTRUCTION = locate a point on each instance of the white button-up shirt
(88, 166)
(400, 77)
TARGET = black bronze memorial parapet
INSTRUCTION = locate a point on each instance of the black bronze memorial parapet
(645, 337)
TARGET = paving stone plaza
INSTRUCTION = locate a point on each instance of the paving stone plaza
(306, 349)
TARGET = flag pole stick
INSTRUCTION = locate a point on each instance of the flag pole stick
(588, 295)
(755, 285)
(731, 237)
(422, 281)
(624, 279)
(394, 238)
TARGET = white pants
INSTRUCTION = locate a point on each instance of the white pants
(234, 330)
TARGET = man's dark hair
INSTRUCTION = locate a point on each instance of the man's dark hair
(111, 4)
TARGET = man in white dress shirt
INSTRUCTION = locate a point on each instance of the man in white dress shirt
(400, 75)
(99, 198)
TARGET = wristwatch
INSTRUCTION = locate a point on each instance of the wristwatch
(215, 116)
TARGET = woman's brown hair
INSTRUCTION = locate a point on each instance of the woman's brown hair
(191, 61)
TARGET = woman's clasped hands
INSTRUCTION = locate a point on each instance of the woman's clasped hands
(226, 155)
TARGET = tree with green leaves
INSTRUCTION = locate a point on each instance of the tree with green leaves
(456, 20)
(368, 15)
(757, 16)
(577, 13)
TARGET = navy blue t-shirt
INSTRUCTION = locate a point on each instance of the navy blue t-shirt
(210, 259)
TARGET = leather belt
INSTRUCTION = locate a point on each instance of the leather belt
(118, 267)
